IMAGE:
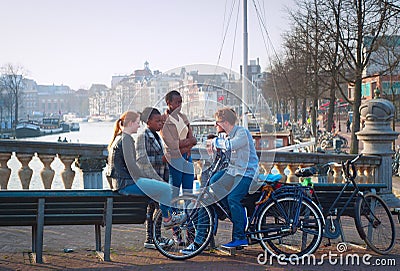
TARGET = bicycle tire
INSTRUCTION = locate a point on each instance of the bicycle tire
(374, 223)
(170, 242)
(303, 241)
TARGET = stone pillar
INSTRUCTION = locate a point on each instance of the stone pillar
(92, 170)
(377, 137)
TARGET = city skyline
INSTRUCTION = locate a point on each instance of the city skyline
(79, 43)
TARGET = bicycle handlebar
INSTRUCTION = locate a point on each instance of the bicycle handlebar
(310, 171)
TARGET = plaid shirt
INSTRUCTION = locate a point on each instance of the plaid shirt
(149, 150)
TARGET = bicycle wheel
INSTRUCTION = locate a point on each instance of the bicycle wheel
(279, 236)
(374, 223)
(170, 242)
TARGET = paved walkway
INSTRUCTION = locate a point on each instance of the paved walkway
(128, 252)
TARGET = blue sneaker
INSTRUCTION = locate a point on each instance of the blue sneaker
(236, 244)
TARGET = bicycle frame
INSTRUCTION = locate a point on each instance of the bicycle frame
(266, 197)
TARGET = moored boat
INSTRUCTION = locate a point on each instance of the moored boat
(27, 129)
(48, 126)
(74, 126)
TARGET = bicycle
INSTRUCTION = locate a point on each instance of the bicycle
(285, 221)
(396, 162)
(372, 216)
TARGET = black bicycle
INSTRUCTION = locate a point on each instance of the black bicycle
(396, 162)
(282, 219)
(372, 216)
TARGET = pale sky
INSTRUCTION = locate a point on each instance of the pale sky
(83, 42)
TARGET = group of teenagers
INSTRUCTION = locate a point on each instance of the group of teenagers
(159, 164)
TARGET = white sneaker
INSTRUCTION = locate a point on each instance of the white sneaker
(175, 220)
(193, 247)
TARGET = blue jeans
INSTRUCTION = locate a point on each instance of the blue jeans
(230, 190)
(181, 174)
(156, 190)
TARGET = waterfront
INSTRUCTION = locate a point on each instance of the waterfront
(89, 133)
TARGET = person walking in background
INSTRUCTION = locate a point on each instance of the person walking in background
(179, 140)
(348, 124)
(127, 178)
(150, 158)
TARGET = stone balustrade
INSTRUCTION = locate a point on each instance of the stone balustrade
(88, 160)
(285, 163)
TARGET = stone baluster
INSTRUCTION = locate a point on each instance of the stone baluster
(361, 178)
(291, 178)
(377, 137)
(5, 171)
(369, 174)
(92, 170)
(47, 173)
(67, 174)
(264, 168)
(330, 177)
(337, 174)
(281, 168)
(25, 172)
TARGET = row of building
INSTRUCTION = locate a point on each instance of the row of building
(203, 88)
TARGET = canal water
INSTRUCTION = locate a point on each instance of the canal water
(89, 133)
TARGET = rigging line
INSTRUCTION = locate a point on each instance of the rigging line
(262, 23)
(226, 31)
(224, 34)
(263, 27)
(234, 41)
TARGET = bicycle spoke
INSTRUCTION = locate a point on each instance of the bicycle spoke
(375, 223)
(289, 227)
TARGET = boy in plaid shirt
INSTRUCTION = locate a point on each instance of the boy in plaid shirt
(151, 159)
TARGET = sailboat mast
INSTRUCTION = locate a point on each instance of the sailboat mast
(245, 66)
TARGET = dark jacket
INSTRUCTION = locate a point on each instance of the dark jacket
(123, 174)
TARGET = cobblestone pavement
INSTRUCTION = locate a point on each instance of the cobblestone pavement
(128, 252)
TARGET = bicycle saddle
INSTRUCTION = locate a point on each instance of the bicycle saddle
(305, 172)
(270, 178)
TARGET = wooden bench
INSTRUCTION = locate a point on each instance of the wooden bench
(39, 208)
(328, 192)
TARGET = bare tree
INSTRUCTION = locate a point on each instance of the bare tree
(355, 20)
(12, 84)
(334, 33)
